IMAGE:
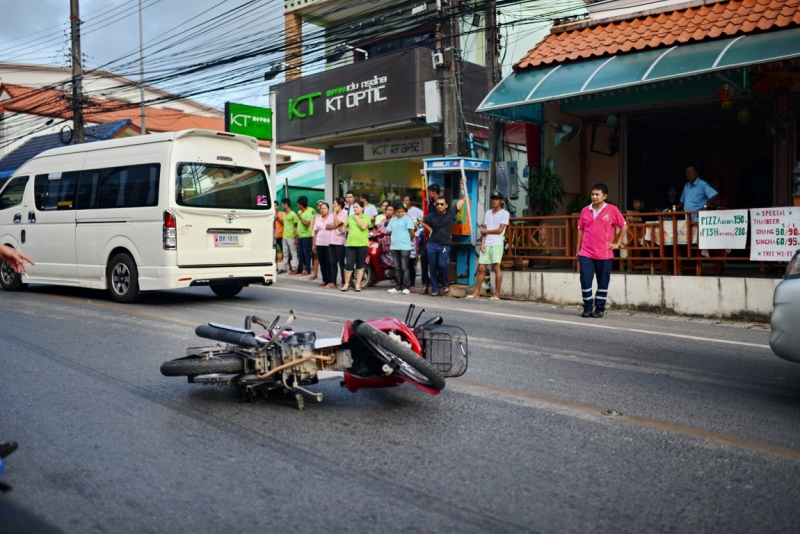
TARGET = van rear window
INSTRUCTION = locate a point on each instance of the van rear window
(222, 186)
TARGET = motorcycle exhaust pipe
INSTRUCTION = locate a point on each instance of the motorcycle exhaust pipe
(226, 336)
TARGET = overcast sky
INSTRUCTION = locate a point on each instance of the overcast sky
(37, 31)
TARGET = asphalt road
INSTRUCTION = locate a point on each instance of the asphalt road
(707, 439)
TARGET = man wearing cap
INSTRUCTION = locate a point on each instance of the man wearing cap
(494, 228)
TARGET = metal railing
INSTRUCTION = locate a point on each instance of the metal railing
(666, 242)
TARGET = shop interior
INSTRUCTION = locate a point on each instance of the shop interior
(381, 180)
(731, 145)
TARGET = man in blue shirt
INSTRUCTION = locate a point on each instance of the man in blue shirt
(697, 194)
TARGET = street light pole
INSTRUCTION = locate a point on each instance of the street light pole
(141, 68)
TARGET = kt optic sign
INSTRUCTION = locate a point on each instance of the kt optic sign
(248, 120)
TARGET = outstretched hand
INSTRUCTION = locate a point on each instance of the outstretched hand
(15, 259)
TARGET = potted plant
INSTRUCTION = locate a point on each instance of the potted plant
(546, 193)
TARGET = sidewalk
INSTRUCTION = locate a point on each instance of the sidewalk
(708, 296)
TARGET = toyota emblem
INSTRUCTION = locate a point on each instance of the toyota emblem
(229, 219)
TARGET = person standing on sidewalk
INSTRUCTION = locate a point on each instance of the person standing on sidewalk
(402, 230)
(322, 241)
(494, 228)
(596, 246)
(279, 232)
(338, 238)
(355, 252)
(439, 225)
(433, 196)
(290, 222)
(304, 232)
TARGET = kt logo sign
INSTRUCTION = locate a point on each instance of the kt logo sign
(294, 110)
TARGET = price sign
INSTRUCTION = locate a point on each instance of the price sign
(723, 229)
(775, 233)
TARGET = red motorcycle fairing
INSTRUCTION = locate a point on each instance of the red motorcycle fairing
(354, 383)
(389, 324)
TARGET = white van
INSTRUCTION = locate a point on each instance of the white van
(164, 211)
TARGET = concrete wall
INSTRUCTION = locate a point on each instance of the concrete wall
(687, 295)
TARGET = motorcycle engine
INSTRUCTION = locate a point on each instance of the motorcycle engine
(296, 346)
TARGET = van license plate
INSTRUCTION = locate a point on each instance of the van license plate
(223, 240)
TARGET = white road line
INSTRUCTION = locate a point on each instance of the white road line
(586, 324)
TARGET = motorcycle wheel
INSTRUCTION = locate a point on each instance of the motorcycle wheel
(195, 365)
(393, 352)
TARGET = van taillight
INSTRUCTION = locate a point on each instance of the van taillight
(170, 234)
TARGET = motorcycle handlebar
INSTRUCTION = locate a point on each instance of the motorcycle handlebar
(226, 336)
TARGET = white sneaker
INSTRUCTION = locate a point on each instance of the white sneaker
(393, 290)
(405, 292)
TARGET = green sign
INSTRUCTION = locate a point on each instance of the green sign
(248, 120)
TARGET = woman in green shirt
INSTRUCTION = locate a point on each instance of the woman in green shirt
(355, 251)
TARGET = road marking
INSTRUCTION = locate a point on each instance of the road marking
(586, 324)
(716, 437)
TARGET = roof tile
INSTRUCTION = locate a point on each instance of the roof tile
(722, 19)
(51, 103)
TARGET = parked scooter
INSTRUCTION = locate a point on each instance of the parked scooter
(378, 268)
(373, 354)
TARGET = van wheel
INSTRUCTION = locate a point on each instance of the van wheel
(123, 279)
(10, 280)
(226, 290)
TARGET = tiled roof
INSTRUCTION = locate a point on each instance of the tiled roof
(36, 145)
(723, 19)
(53, 103)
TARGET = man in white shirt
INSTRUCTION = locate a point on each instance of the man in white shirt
(413, 211)
(493, 231)
(369, 209)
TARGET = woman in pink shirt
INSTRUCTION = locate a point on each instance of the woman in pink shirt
(321, 242)
(338, 237)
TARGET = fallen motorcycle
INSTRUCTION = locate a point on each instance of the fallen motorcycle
(369, 354)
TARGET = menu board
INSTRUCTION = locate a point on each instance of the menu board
(775, 233)
(725, 229)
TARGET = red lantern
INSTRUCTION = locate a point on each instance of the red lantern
(725, 95)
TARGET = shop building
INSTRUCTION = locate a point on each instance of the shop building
(633, 94)
(376, 120)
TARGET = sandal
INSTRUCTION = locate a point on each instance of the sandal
(434, 294)
(494, 298)
(343, 288)
(358, 290)
(424, 290)
(446, 290)
(470, 296)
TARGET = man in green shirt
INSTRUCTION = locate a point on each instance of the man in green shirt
(305, 231)
(290, 222)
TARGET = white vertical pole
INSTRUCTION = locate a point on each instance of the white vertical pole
(141, 67)
(273, 144)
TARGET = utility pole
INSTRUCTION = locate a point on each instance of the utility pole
(492, 67)
(141, 68)
(453, 136)
(77, 73)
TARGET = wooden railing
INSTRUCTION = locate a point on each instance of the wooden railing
(655, 242)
